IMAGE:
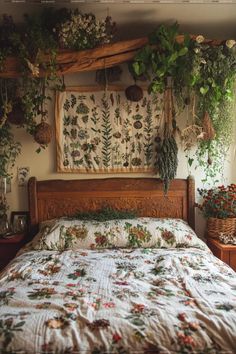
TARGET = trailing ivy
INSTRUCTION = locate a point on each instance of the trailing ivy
(38, 35)
(164, 57)
(197, 69)
(9, 150)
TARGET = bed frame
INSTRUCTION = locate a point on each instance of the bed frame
(55, 198)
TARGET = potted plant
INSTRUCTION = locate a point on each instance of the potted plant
(219, 207)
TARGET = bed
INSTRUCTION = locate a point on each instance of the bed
(139, 285)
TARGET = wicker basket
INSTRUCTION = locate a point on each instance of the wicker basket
(217, 227)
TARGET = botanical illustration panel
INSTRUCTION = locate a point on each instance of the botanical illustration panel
(101, 131)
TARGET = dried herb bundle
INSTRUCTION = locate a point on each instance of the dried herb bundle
(167, 151)
(167, 161)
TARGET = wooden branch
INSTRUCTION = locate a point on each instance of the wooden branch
(92, 59)
(86, 60)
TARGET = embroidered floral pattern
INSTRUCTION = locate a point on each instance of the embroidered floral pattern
(137, 232)
(125, 300)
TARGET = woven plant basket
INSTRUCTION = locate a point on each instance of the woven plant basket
(43, 133)
(217, 227)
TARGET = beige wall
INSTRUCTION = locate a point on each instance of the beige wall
(133, 21)
(43, 165)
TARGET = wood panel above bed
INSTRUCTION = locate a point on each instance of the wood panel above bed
(56, 198)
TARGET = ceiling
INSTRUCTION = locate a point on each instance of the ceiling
(214, 20)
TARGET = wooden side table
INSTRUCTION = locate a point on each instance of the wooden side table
(227, 253)
(9, 247)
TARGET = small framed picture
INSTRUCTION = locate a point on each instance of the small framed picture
(19, 221)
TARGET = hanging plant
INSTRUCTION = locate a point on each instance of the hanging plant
(201, 70)
(164, 57)
(9, 150)
(134, 93)
(214, 78)
(43, 134)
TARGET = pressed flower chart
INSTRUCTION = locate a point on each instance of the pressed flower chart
(101, 131)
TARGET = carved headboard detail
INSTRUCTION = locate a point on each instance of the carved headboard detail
(55, 198)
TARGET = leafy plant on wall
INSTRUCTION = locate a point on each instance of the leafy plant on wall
(203, 75)
(35, 43)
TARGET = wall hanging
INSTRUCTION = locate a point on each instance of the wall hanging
(101, 131)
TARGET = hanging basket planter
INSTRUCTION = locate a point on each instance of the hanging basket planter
(43, 133)
(17, 115)
(134, 93)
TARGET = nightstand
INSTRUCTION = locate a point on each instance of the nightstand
(227, 253)
(9, 247)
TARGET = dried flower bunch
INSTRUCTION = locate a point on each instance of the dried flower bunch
(219, 202)
(82, 31)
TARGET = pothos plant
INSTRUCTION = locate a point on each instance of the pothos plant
(201, 73)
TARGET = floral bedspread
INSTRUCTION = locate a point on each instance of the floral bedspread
(118, 301)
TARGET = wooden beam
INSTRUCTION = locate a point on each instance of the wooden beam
(92, 59)
(85, 60)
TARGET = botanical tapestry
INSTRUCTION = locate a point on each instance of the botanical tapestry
(101, 131)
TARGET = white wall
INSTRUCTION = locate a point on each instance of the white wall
(133, 21)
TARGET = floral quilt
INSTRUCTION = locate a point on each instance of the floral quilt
(118, 301)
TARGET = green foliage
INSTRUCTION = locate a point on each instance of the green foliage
(106, 214)
(83, 31)
(214, 86)
(163, 58)
(37, 35)
(196, 69)
(167, 161)
(9, 150)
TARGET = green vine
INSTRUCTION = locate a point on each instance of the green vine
(204, 72)
(35, 44)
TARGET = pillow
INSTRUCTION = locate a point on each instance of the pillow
(63, 234)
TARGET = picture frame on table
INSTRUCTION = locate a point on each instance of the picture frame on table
(19, 221)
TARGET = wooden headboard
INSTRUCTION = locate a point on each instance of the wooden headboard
(55, 198)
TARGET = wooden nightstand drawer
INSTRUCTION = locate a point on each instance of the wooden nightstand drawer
(232, 259)
(227, 253)
(9, 248)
